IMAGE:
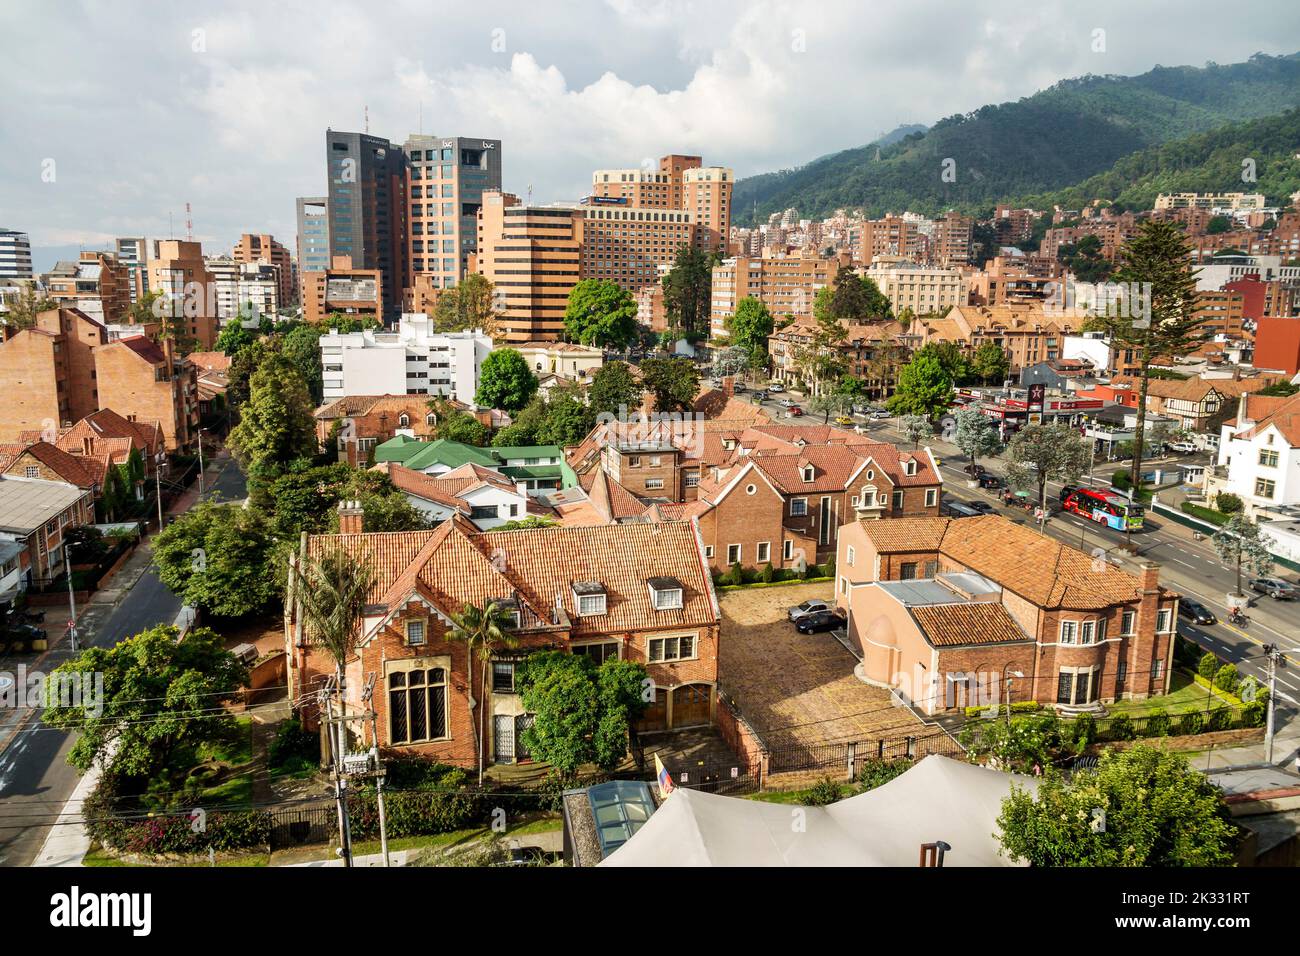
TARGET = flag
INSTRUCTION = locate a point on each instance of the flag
(665, 780)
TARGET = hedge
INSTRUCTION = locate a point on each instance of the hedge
(118, 829)
(1205, 514)
(1019, 707)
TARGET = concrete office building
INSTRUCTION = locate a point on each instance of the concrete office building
(414, 360)
(15, 255)
(532, 255)
(447, 179)
(251, 287)
(367, 208)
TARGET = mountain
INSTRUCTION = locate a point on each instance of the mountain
(1056, 138)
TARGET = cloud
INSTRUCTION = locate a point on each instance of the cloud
(140, 122)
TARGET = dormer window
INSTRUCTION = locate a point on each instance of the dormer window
(665, 593)
(591, 598)
(508, 608)
(404, 420)
(809, 473)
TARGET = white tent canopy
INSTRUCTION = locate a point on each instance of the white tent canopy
(938, 799)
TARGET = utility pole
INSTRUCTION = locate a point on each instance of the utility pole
(72, 597)
(200, 437)
(368, 696)
(340, 781)
(157, 477)
(1276, 659)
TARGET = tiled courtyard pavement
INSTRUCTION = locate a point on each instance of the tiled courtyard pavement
(799, 689)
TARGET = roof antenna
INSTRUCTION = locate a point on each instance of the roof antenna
(366, 110)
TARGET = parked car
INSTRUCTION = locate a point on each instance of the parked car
(845, 421)
(983, 507)
(27, 632)
(807, 607)
(786, 402)
(1182, 447)
(794, 411)
(738, 389)
(990, 480)
(1196, 612)
(775, 387)
(1275, 588)
(879, 413)
(819, 621)
(960, 509)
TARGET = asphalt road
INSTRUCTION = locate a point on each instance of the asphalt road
(1191, 567)
(35, 778)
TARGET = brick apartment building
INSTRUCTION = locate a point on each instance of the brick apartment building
(179, 274)
(261, 248)
(139, 379)
(945, 611)
(787, 285)
(632, 592)
(861, 346)
(357, 293)
(1010, 279)
(1025, 332)
(96, 284)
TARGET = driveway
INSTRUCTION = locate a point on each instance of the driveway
(799, 689)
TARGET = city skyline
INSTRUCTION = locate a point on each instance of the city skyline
(738, 85)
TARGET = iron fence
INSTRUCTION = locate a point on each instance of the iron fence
(300, 827)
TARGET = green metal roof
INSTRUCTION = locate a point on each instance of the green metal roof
(531, 471)
(452, 454)
(528, 451)
(398, 449)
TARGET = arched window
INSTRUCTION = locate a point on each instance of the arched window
(417, 705)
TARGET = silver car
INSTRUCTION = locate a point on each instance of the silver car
(807, 607)
(1275, 588)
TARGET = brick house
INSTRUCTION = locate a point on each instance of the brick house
(947, 612)
(635, 592)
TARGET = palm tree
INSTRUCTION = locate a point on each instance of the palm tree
(332, 592)
(482, 631)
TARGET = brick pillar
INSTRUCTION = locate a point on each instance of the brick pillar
(1142, 659)
(352, 517)
(728, 386)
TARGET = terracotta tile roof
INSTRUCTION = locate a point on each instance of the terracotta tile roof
(453, 566)
(71, 469)
(420, 485)
(894, 535)
(1261, 406)
(959, 625)
(609, 497)
(832, 466)
(351, 405)
(1196, 388)
(210, 361)
(1285, 417)
(716, 404)
(10, 450)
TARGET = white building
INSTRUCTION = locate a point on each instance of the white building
(414, 360)
(238, 285)
(577, 362)
(1090, 347)
(925, 290)
(15, 255)
(1259, 454)
(1212, 276)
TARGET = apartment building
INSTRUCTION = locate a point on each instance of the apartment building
(341, 288)
(1025, 332)
(950, 243)
(263, 249)
(1220, 313)
(630, 592)
(247, 289)
(628, 245)
(35, 515)
(15, 255)
(787, 285)
(448, 177)
(533, 256)
(1233, 201)
(1112, 232)
(49, 373)
(313, 235)
(1259, 454)
(133, 253)
(894, 237)
(96, 284)
(921, 290)
(945, 611)
(1007, 279)
(179, 274)
(1014, 226)
(413, 360)
(861, 345)
(143, 381)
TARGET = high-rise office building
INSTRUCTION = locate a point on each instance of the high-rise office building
(367, 208)
(448, 176)
(313, 234)
(15, 255)
(133, 253)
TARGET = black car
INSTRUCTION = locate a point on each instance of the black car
(1065, 492)
(1196, 612)
(983, 507)
(988, 480)
(819, 621)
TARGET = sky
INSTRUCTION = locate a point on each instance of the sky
(118, 114)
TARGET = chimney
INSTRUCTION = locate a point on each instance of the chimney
(728, 385)
(351, 517)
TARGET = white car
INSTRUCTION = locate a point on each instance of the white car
(1182, 447)
(786, 402)
(774, 388)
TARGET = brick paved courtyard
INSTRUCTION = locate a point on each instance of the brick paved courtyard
(798, 689)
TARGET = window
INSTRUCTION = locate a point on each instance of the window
(849, 555)
(417, 705)
(931, 497)
(403, 420)
(692, 479)
(503, 677)
(1086, 632)
(787, 550)
(655, 461)
(907, 571)
(415, 632)
(1069, 631)
(1120, 674)
(708, 551)
(634, 461)
(931, 568)
(668, 599)
(1264, 488)
(809, 473)
(591, 604)
(1268, 458)
(681, 648)
(1164, 617)
(898, 501)
(1127, 623)
(1101, 629)
(1157, 668)
(654, 483)
(733, 553)
(798, 507)
(599, 653)
(764, 552)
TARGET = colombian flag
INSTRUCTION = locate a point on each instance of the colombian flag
(665, 781)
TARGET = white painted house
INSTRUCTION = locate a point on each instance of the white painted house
(414, 360)
(486, 498)
(1259, 454)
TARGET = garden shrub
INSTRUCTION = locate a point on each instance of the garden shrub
(420, 773)
(1227, 502)
(108, 823)
(824, 791)
(1254, 714)
(1191, 723)
(735, 575)
(1220, 719)
(1208, 666)
(1121, 728)
(1227, 679)
(415, 812)
(1158, 723)
(875, 773)
(768, 574)
(1083, 731)
(293, 749)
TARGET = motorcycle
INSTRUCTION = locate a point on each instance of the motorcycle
(1237, 618)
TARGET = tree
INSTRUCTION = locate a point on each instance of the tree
(234, 337)
(482, 631)
(990, 364)
(469, 305)
(601, 313)
(26, 305)
(1140, 807)
(242, 366)
(301, 346)
(276, 425)
(1038, 454)
(113, 494)
(454, 424)
(614, 389)
(856, 298)
(568, 420)
(674, 382)
(748, 327)
(1240, 544)
(621, 694)
(505, 381)
(953, 360)
(924, 388)
(731, 361)
(219, 558)
(343, 323)
(1156, 259)
(976, 435)
(162, 694)
(688, 290)
(916, 427)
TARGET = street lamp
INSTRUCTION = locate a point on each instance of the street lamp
(1006, 680)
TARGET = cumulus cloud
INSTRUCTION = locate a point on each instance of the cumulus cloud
(145, 108)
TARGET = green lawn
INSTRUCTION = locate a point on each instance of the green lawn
(1184, 695)
(217, 773)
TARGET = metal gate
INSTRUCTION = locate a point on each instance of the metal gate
(503, 738)
(299, 827)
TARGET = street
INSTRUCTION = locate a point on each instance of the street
(35, 777)
(1189, 566)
